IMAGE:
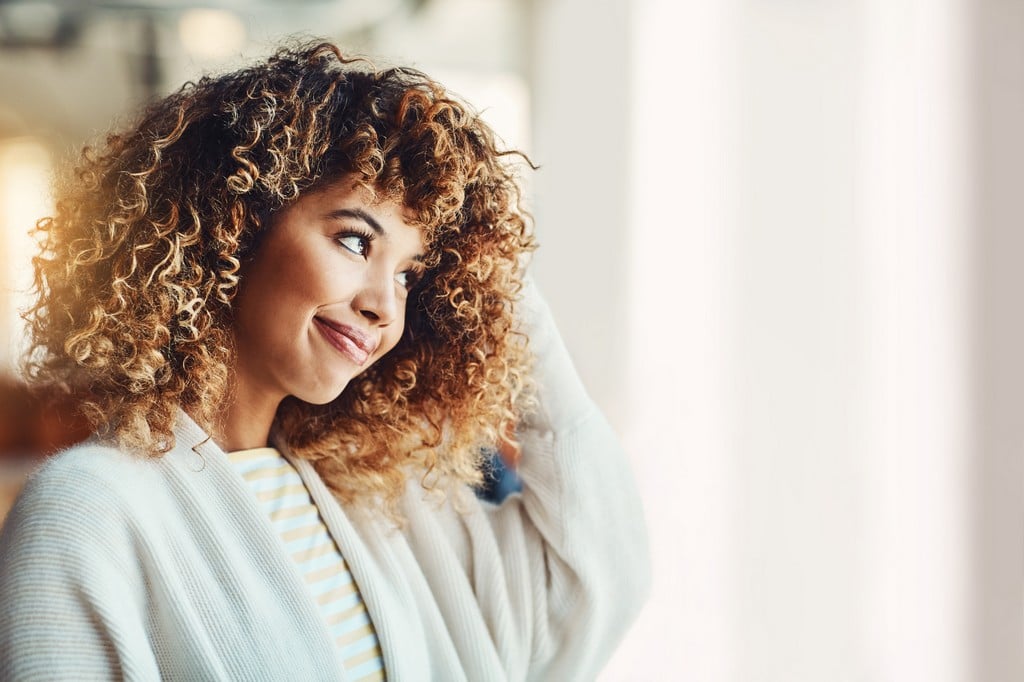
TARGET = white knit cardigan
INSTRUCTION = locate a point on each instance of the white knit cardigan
(114, 566)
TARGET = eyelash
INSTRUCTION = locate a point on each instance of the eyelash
(413, 275)
(365, 237)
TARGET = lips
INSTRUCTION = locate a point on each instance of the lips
(353, 343)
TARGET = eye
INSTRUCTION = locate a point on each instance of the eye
(408, 278)
(358, 244)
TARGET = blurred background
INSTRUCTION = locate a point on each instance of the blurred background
(783, 239)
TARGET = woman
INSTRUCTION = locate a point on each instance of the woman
(290, 301)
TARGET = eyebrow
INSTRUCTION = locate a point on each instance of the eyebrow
(358, 214)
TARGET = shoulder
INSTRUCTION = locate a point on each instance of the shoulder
(69, 547)
(87, 473)
(90, 457)
(90, 491)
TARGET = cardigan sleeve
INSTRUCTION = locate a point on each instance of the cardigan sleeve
(572, 546)
(64, 589)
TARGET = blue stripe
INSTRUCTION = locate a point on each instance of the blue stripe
(310, 518)
(343, 604)
(263, 484)
(316, 563)
(286, 502)
(358, 646)
(255, 464)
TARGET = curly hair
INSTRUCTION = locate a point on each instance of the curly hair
(141, 261)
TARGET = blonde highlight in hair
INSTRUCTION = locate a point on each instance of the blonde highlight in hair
(140, 265)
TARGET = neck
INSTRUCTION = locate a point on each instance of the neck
(246, 420)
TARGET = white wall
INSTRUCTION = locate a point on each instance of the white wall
(579, 76)
(819, 368)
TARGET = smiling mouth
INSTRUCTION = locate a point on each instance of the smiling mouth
(354, 344)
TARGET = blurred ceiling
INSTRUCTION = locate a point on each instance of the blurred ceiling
(68, 68)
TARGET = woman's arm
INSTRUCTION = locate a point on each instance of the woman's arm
(572, 545)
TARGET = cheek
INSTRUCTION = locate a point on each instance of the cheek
(395, 336)
(391, 337)
(301, 282)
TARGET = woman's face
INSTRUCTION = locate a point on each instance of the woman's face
(324, 295)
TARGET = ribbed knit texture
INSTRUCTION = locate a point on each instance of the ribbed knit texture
(113, 566)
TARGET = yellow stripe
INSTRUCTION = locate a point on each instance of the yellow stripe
(326, 572)
(290, 512)
(278, 493)
(363, 657)
(312, 553)
(254, 453)
(303, 532)
(270, 472)
(336, 594)
(354, 636)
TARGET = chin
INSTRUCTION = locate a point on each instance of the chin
(322, 396)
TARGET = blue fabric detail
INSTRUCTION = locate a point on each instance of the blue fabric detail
(499, 480)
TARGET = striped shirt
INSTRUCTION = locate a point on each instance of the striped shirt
(282, 495)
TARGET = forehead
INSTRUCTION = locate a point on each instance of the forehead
(349, 192)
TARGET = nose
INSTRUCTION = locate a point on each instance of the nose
(376, 300)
